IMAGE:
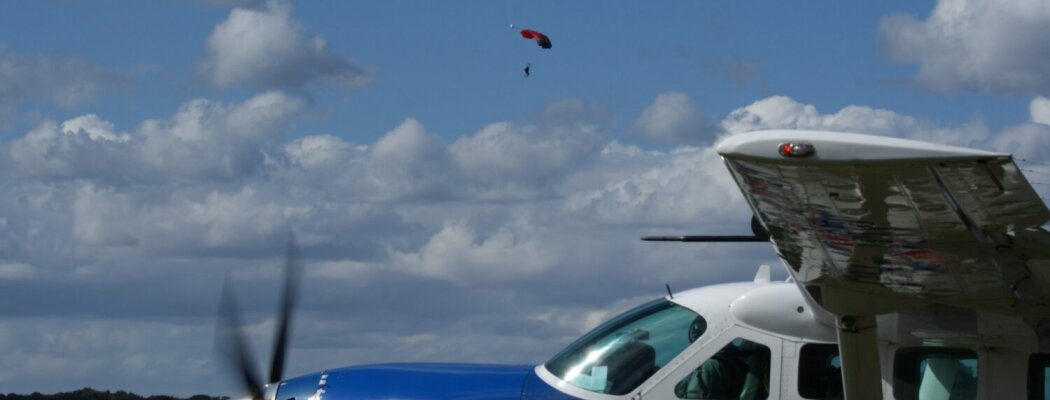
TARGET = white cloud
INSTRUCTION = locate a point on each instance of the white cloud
(771, 112)
(501, 161)
(204, 139)
(1039, 109)
(16, 270)
(1028, 141)
(672, 117)
(456, 253)
(268, 48)
(263, 116)
(510, 234)
(510, 160)
(319, 150)
(231, 218)
(65, 81)
(97, 216)
(95, 127)
(681, 188)
(409, 162)
(780, 112)
(210, 140)
(50, 152)
(975, 44)
(106, 355)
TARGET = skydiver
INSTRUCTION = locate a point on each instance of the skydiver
(527, 69)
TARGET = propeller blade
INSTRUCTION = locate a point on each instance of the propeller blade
(293, 269)
(232, 348)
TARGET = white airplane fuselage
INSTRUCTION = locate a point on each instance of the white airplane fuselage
(932, 354)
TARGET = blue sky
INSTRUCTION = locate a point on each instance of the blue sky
(449, 208)
(452, 65)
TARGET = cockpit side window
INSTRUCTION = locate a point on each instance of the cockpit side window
(617, 356)
(925, 373)
(820, 371)
(740, 370)
(1038, 374)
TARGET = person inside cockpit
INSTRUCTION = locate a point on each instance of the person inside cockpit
(740, 370)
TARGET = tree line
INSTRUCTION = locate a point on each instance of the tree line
(92, 394)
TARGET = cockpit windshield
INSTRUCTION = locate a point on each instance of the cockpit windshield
(620, 354)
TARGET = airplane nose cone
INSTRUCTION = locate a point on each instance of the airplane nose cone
(303, 387)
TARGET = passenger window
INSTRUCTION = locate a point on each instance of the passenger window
(740, 370)
(820, 371)
(925, 373)
(1038, 374)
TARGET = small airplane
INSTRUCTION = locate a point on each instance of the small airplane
(917, 271)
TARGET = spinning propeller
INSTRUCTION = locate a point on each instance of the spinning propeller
(230, 345)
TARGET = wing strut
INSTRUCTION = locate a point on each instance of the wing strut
(859, 350)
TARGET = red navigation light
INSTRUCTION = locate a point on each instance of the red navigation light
(795, 149)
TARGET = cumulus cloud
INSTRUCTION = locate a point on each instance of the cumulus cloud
(268, 48)
(505, 159)
(457, 254)
(513, 232)
(501, 161)
(507, 237)
(780, 112)
(203, 139)
(50, 151)
(975, 45)
(408, 161)
(319, 150)
(688, 184)
(1039, 109)
(65, 81)
(95, 128)
(672, 117)
(1029, 141)
(217, 141)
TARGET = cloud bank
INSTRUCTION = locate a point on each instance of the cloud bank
(982, 45)
(508, 237)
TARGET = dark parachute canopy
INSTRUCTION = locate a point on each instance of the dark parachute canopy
(541, 39)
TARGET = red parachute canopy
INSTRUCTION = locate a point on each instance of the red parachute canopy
(541, 39)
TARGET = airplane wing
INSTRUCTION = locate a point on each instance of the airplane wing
(870, 225)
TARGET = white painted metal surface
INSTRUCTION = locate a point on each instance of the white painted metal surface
(942, 242)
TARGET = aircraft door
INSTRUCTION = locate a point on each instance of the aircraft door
(737, 364)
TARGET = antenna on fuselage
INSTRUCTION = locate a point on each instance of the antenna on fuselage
(668, 285)
(760, 235)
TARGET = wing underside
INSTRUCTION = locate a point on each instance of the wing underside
(883, 233)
